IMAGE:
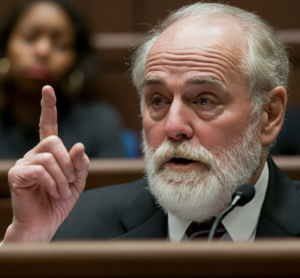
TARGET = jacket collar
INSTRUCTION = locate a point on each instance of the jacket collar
(144, 218)
(281, 208)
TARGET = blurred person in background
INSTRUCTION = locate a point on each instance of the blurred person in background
(45, 42)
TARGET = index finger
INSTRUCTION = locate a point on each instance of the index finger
(48, 120)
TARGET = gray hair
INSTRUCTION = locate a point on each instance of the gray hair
(266, 64)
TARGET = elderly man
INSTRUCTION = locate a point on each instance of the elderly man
(212, 82)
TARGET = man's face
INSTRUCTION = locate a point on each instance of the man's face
(195, 94)
(179, 103)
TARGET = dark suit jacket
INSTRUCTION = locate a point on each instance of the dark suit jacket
(129, 211)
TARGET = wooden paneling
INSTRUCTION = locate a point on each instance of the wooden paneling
(280, 13)
(108, 15)
(276, 258)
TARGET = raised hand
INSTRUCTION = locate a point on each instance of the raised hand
(46, 183)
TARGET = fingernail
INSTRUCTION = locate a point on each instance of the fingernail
(67, 192)
(71, 176)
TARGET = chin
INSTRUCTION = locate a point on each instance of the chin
(190, 195)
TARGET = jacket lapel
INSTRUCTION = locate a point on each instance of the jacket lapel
(144, 218)
(281, 208)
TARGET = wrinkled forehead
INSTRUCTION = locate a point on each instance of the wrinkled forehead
(225, 35)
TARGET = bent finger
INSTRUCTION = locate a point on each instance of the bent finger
(28, 177)
(81, 163)
(48, 161)
(55, 147)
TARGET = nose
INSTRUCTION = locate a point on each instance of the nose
(178, 124)
(43, 47)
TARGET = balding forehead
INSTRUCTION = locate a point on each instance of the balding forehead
(226, 32)
(215, 51)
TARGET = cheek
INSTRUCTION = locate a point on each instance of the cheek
(16, 52)
(19, 60)
(222, 133)
(61, 64)
(154, 131)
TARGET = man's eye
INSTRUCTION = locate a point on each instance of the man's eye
(205, 101)
(158, 101)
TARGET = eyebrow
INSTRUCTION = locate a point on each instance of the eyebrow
(208, 80)
(152, 81)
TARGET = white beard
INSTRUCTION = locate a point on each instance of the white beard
(201, 194)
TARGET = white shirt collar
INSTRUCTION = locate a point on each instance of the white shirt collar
(240, 223)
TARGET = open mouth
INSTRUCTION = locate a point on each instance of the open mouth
(181, 160)
(185, 164)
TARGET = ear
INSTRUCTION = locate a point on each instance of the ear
(272, 115)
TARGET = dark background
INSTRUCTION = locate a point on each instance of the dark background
(137, 16)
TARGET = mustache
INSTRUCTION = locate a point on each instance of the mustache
(184, 149)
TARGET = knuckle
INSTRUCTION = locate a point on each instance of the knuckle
(40, 176)
(11, 173)
(53, 140)
(48, 158)
(19, 161)
(37, 172)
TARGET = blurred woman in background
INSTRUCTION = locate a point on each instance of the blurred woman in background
(45, 42)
